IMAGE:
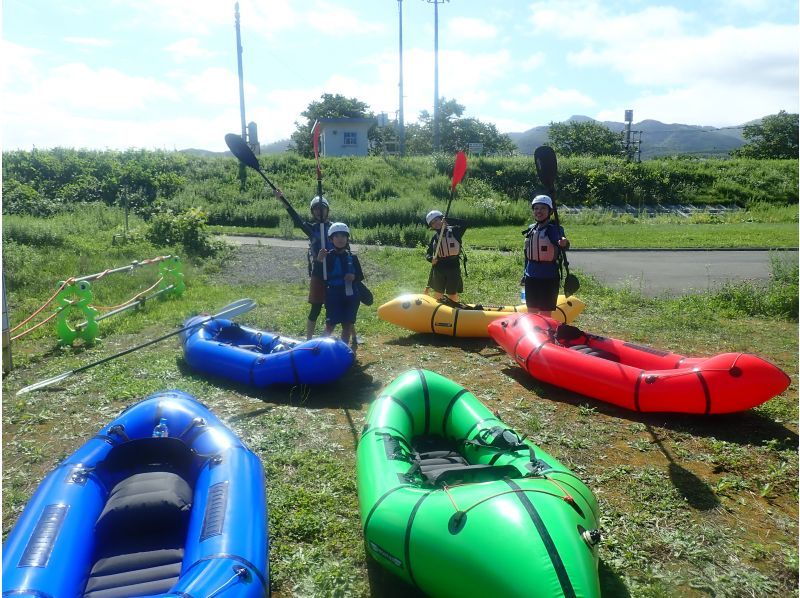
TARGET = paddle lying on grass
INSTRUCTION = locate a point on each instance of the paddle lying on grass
(547, 169)
(229, 311)
(459, 169)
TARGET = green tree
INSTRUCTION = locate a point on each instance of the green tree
(455, 132)
(329, 106)
(774, 137)
(589, 138)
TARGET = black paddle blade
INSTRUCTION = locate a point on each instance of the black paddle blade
(571, 284)
(546, 166)
(242, 151)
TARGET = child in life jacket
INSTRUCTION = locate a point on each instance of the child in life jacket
(316, 239)
(544, 240)
(341, 291)
(445, 277)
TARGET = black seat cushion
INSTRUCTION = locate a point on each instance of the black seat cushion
(135, 574)
(587, 350)
(145, 503)
(148, 454)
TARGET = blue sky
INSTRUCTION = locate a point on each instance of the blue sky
(163, 73)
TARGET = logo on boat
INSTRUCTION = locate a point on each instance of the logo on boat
(389, 557)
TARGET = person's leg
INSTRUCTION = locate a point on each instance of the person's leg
(316, 297)
(534, 292)
(311, 324)
(347, 332)
(454, 284)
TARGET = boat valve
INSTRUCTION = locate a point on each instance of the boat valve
(592, 537)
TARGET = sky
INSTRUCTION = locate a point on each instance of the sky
(162, 74)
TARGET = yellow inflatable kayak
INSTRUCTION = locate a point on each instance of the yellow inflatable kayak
(423, 313)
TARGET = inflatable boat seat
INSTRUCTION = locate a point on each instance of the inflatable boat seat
(587, 350)
(449, 467)
(141, 531)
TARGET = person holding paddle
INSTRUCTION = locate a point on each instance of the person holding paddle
(544, 241)
(444, 254)
(342, 283)
(317, 232)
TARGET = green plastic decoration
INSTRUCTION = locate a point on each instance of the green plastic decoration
(171, 273)
(76, 297)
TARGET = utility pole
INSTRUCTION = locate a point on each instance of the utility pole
(239, 51)
(436, 3)
(402, 131)
(628, 121)
(242, 167)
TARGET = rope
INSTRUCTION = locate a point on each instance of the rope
(131, 300)
(566, 497)
(32, 328)
(48, 302)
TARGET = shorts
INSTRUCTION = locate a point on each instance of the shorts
(340, 308)
(542, 293)
(316, 290)
(446, 280)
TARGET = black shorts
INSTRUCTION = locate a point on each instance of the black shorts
(541, 293)
(446, 280)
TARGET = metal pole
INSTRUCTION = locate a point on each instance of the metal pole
(402, 132)
(239, 51)
(435, 76)
(132, 266)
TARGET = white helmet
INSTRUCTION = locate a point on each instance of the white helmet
(433, 215)
(542, 199)
(319, 200)
(338, 227)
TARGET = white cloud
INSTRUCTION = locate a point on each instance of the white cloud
(705, 103)
(552, 97)
(465, 28)
(94, 42)
(532, 62)
(216, 86)
(188, 48)
(338, 21)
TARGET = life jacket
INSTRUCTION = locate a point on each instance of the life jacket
(337, 272)
(538, 246)
(314, 243)
(450, 245)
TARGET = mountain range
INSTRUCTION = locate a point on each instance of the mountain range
(656, 139)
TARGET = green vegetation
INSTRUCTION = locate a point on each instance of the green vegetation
(689, 505)
(775, 136)
(589, 138)
(384, 200)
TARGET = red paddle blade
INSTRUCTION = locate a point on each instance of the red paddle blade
(315, 138)
(315, 143)
(459, 169)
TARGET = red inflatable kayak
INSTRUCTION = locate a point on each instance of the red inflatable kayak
(635, 376)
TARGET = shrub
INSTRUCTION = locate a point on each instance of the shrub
(188, 229)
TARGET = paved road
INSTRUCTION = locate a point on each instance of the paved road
(654, 272)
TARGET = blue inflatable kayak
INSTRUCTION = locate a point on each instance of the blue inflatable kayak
(224, 348)
(129, 514)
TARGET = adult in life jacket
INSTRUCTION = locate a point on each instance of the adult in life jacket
(341, 288)
(544, 240)
(317, 239)
(445, 277)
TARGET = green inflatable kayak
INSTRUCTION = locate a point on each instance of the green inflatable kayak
(458, 504)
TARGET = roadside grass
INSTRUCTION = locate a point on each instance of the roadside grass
(761, 227)
(690, 506)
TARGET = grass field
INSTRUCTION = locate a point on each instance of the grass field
(690, 506)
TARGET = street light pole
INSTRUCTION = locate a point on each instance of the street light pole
(436, 141)
(402, 132)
